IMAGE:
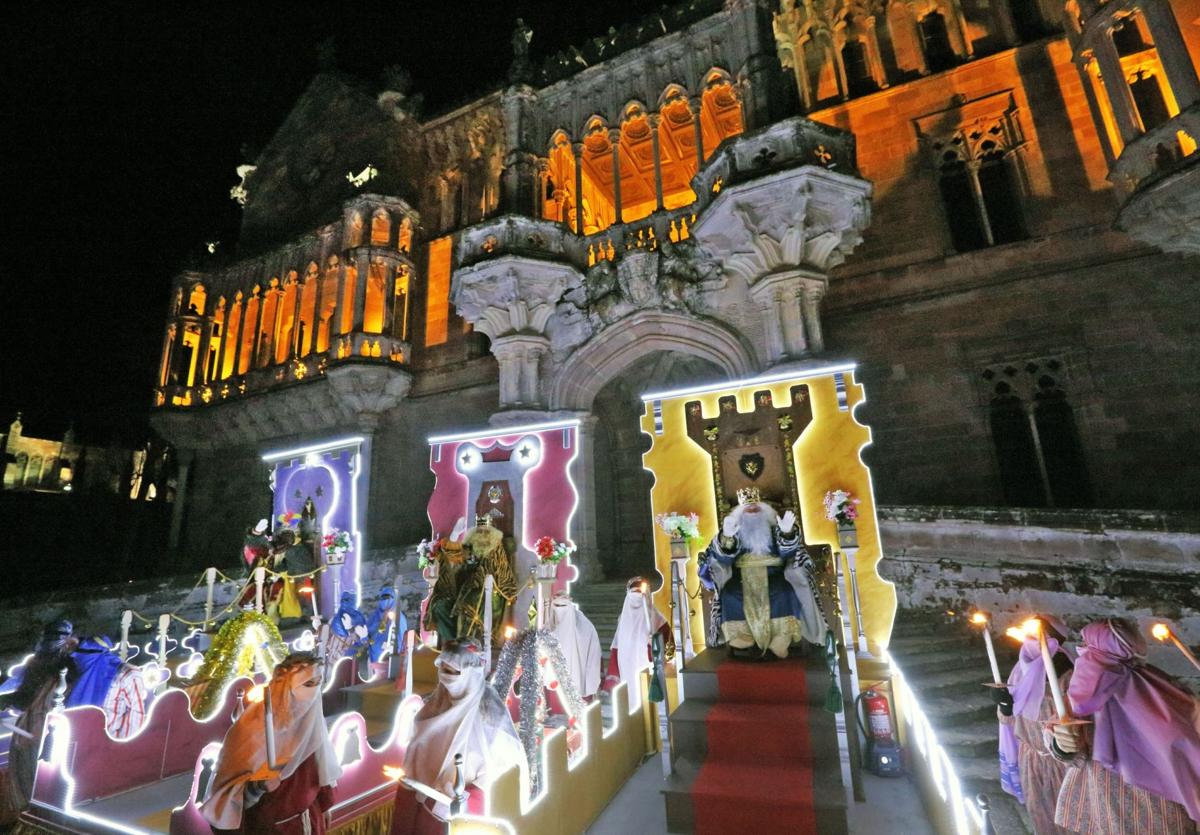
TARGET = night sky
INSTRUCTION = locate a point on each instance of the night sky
(123, 127)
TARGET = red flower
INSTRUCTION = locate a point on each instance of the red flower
(544, 547)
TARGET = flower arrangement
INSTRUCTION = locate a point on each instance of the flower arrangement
(551, 552)
(679, 526)
(841, 506)
(336, 544)
(427, 552)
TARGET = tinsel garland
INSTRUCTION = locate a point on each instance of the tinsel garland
(525, 651)
(377, 820)
(233, 654)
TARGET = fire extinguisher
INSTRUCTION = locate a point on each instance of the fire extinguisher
(883, 749)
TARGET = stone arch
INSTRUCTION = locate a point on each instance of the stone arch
(606, 354)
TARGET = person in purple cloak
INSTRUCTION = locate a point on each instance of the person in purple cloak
(1136, 767)
(1028, 769)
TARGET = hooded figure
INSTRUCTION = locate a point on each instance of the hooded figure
(290, 797)
(378, 625)
(1143, 773)
(257, 543)
(640, 621)
(464, 715)
(1028, 769)
(347, 631)
(579, 643)
(102, 679)
(34, 697)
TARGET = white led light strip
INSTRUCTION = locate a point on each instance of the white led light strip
(325, 446)
(796, 374)
(502, 431)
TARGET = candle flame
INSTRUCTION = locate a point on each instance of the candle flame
(1161, 631)
(1016, 634)
(978, 618)
(1032, 627)
(393, 772)
(305, 590)
(645, 587)
(391, 615)
(510, 631)
(255, 693)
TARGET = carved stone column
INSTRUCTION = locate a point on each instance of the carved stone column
(511, 299)
(654, 120)
(789, 302)
(614, 139)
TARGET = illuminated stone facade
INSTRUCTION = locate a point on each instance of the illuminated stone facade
(652, 210)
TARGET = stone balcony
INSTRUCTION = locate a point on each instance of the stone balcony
(1157, 178)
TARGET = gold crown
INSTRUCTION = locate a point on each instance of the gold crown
(484, 521)
(748, 495)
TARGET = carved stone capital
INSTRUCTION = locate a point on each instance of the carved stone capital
(806, 217)
(365, 392)
(511, 295)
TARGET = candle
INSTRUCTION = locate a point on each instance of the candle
(1033, 625)
(410, 639)
(981, 618)
(269, 725)
(1163, 632)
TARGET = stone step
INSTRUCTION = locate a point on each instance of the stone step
(916, 665)
(974, 740)
(950, 710)
(916, 645)
(967, 679)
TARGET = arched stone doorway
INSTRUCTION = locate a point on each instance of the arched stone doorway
(624, 543)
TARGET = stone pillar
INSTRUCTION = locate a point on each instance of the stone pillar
(335, 327)
(1168, 40)
(790, 305)
(696, 108)
(519, 356)
(653, 118)
(577, 151)
(363, 262)
(614, 139)
(587, 558)
(294, 337)
(1119, 96)
(184, 457)
(256, 337)
(206, 329)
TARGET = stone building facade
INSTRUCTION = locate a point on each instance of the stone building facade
(653, 209)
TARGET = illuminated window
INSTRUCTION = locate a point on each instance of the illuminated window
(270, 310)
(308, 309)
(354, 231)
(400, 298)
(285, 319)
(404, 237)
(381, 228)
(376, 293)
(196, 301)
(437, 298)
(246, 338)
(329, 285)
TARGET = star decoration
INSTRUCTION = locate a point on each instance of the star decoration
(524, 451)
(320, 492)
(466, 458)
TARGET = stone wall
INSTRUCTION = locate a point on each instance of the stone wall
(1080, 565)
(97, 610)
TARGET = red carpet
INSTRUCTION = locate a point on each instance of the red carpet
(757, 775)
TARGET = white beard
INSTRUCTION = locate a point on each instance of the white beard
(756, 531)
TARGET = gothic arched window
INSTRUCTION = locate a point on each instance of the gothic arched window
(858, 71)
(1061, 449)
(981, 196)
(935, 39)
(1016, 450)
(1148, 98)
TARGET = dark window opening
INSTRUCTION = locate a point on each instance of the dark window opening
(858, 71)
(1027, 19)
(1127, 38)
(1001, 199)
(1016, 450)
(936, 42)
(962, 214)
(1148, 98)
(1061, 448)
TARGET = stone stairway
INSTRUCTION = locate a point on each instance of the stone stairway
(945, 664)
(601, 602)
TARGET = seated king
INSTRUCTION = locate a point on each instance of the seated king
(763, 577)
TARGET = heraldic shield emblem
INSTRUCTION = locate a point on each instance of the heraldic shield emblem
(751, 465)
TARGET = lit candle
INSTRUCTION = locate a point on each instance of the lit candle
(1163, 632)
(1034, 626)
(269, 724)
(979, 618)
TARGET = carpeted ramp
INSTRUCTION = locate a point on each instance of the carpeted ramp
(753, 749)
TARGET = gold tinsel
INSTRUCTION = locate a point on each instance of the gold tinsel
(233, 654)
(377, 820)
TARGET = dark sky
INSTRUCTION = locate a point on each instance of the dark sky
(122, 129)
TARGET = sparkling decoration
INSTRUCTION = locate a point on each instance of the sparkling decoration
(245, 641)
(538, 652)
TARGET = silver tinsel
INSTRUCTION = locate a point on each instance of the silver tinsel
(520, 655)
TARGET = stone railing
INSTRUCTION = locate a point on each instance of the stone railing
(1158, 153)
(518, 235)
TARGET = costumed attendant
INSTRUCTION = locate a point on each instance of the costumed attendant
(640, 621)
(346, 633)
(1028, 769)
(579, 643)
(257, 543)
(102, 679)
(464, 715)
(1137, 767)
(34, 697)
(764, 577)
(290, 796)
(379, 628)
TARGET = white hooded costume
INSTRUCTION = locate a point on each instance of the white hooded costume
(630, 654)
(243, 775)
(464, 715)
(579, 643)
